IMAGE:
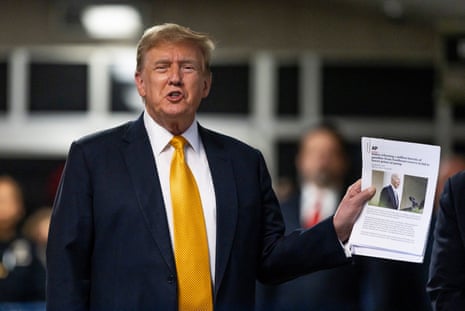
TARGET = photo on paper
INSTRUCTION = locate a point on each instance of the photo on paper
(414, 194)
(396, 221)
(399, 192)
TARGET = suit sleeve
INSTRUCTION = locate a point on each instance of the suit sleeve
(69, 246)
(447, 269)
(300, 252)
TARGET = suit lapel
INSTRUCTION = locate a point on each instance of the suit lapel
(226, 201)
(139, 160)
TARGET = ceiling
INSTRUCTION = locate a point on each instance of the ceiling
(434, 10)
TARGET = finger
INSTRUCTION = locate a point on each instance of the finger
(364, 196)
(355, 188)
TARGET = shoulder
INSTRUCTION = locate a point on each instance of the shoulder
(453, 190)
(451, 197)
(103, 145)
(225, 142)
(109, 135)
(457, 181)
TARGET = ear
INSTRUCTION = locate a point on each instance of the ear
(207, 82)
(140, 83)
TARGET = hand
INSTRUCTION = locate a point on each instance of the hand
(349, 209)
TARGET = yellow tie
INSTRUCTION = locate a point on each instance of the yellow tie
(190, 236)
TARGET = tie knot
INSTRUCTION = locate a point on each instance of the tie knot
(178, 142)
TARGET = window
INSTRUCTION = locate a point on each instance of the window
(57, 87)
(229, 92)
(378, 90)
(123, 92)
(288, 90)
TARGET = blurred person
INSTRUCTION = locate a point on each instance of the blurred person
(18, 264)
(449, 166)
(446, 280)
(322, 165)
(389, 196)
(36, 229)
(284, 188)
(122, 230)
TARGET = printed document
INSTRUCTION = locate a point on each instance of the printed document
(394, 224)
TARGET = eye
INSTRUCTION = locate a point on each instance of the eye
(188, 68)
(161, 68)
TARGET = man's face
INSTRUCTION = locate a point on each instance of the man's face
(395, 181)
(321, 160)
(173, 82)
(10, 208)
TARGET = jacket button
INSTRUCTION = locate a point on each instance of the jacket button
(171, 279)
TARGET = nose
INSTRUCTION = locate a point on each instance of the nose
(175, 77)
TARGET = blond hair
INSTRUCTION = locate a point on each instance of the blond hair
(173, 33)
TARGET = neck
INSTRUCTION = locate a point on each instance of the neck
(175, 126)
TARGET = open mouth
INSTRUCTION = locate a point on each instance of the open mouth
(175, 95)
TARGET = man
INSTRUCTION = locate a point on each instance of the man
(447, 272)
(322, 165)
(115, 242)
(389, 196)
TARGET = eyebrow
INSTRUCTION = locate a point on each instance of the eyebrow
(184, 61)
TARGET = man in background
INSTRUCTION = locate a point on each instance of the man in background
(322, 167)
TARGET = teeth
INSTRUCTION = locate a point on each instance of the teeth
(175, 93)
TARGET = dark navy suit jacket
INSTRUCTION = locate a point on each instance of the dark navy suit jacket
(446, 285)
(109, 244)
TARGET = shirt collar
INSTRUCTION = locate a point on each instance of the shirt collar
(160, 137)
(310, 189)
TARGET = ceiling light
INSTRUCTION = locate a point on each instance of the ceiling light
(111, 21)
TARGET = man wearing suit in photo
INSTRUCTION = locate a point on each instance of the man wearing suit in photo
(119, 237)
(389, 196)
(322, 165)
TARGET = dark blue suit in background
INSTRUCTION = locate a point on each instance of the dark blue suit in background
(109, 245)
(446, 285)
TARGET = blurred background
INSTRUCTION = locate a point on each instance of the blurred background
(383, 68)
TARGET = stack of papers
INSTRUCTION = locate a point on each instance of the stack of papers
(394, 224)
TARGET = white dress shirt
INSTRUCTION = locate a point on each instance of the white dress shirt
(196, 159)
(310, 194)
